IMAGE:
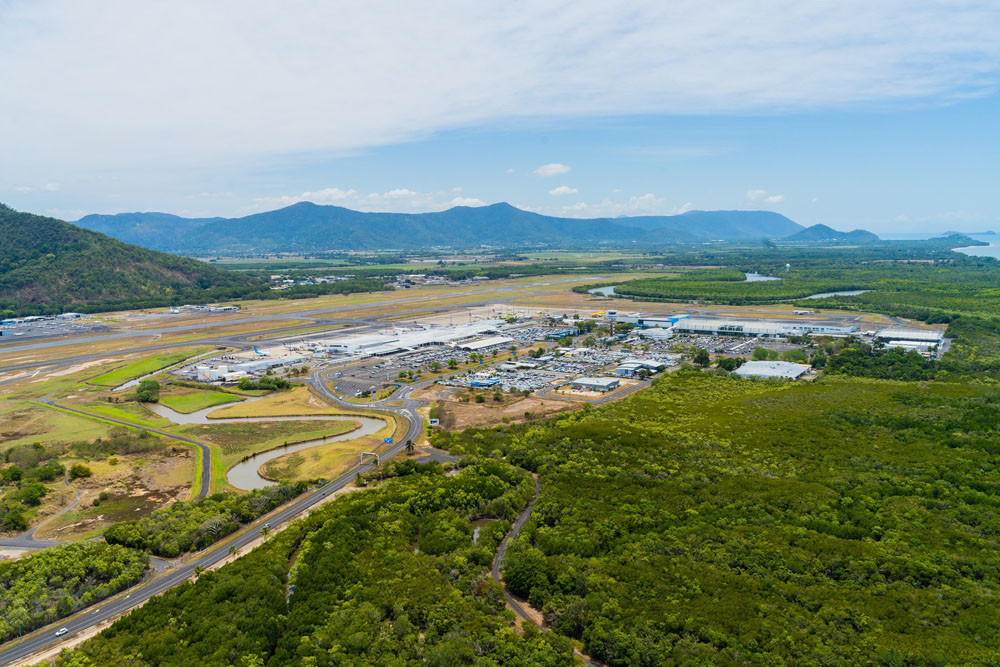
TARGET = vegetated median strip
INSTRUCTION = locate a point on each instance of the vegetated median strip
(144, 367)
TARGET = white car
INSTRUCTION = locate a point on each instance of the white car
(61, 631)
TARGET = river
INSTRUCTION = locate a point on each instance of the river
(826, 295)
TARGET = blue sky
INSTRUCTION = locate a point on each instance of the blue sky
(879, 117)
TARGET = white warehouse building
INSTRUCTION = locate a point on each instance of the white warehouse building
(927, 336)
(749, 328)
(772, 369)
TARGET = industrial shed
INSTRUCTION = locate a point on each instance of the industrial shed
(596, 384)
(772, 369)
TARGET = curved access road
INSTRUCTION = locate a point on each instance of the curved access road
(87, 619)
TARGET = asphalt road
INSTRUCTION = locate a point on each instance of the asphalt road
(88, 618)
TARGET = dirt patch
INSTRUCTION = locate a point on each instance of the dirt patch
(7, 553)
(20, 424)
(457, 416)
(134, 488)
(84, 366)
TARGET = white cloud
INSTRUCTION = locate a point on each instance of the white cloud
(467, 201)
(396, 200)
(758, 195)
(647, 204)
(551, 169)
(224, 83)
(48, 187)
(563, 190)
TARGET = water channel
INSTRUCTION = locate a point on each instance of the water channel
(825, 295)
(245, 475)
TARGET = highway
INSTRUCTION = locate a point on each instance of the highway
(45, 638)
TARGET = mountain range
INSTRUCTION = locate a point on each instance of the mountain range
(307, 227)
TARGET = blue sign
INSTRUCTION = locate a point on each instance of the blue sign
(388, 441)
(435, 422)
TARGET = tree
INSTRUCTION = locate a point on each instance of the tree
(79, 471)
(435, 366)
(148, 392)
(701, 358)
(409, 447)
(729, 363)
(759, 354)
(453, 364)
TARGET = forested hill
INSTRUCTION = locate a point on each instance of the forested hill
(47, 266)
(310, 227)
(828, 235)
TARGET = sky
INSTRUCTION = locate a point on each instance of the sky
(856, 114)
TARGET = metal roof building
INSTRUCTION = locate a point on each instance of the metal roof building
(749, 328)
(772, 369)
(475, 345)
(923, 335)
(596, 384)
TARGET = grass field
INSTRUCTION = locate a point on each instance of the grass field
(22, 423)
(130, 412)
(145, 366)
(299, 401)
(326, 461)
(187, 400)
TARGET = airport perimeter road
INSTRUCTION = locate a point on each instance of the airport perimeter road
(206, 452)
(45, 638)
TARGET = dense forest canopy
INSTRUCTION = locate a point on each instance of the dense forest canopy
(712, 520)
(390, 576)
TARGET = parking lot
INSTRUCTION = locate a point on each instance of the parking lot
(47, 328)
